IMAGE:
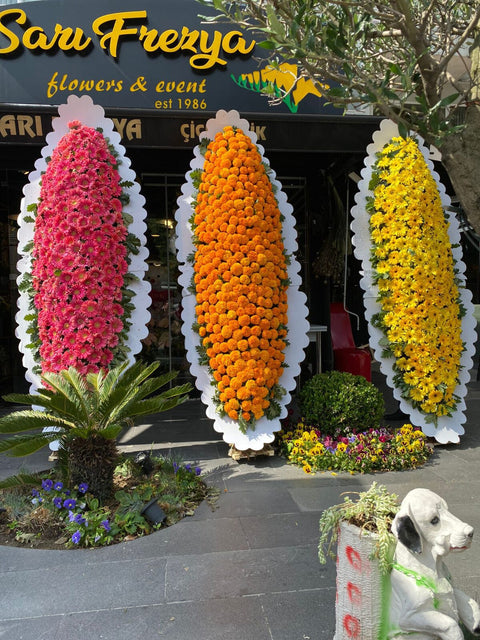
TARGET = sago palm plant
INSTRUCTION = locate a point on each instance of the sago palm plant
(88, 413)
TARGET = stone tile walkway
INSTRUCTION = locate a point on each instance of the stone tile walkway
(247, 569)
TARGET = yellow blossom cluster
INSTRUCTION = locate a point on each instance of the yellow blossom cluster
(372, 450)
(415, 273)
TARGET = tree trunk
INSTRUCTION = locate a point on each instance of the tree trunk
(461, 159)
(92, 461)
(461, 153)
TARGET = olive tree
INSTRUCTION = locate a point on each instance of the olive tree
(414, 61)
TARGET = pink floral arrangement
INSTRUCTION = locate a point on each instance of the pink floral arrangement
(79, 256)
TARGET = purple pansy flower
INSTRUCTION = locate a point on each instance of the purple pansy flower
(47, 484)
(76, 537)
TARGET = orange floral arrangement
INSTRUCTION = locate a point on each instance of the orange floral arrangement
(240, 278)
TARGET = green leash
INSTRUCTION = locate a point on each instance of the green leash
(422, 581)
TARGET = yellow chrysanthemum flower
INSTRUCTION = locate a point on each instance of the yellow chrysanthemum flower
(418, 292)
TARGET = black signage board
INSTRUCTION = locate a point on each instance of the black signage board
(20, 124)
(154, 54)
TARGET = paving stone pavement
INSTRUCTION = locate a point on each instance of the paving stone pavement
(247, 569)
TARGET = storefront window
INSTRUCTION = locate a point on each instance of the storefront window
(164, 342)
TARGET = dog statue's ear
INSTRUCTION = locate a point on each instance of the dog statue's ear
(407, 534)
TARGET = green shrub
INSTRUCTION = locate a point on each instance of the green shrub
(338, 402)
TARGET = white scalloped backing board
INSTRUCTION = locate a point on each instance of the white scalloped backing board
(83, 109)
(297, 310)
(449, 428)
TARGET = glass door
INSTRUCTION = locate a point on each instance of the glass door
(164, 342)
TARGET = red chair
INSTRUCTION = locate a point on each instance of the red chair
(346, 356)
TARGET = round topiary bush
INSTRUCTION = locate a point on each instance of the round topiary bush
(338, 402)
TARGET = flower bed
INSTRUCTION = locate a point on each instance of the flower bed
(51, 515)
(373, 450)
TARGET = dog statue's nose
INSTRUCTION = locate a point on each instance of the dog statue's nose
(469, 531)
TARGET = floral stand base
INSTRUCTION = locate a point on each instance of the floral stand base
(249, 454)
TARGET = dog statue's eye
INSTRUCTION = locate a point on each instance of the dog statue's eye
(435, 520)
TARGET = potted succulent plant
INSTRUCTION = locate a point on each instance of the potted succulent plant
(365, 545)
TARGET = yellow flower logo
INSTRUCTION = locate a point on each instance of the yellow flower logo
(285, 83)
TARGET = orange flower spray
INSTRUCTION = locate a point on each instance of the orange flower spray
(240, 278)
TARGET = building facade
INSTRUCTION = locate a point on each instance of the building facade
(160, 72)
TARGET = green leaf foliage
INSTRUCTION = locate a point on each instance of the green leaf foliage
(340, 402)
(359, 50)
(373, 512)
(86, 406)
(25, 444)
(21, 480)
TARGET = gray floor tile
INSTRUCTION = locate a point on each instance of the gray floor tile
(301, 615)
(232, 504)
(235, 619)
(89, 587)
(281, 530)
(243, 573)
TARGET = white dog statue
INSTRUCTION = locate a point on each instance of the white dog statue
(424, 604)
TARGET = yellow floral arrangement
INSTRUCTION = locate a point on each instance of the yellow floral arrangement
(418, 292)
(240, 278)
(368, 451)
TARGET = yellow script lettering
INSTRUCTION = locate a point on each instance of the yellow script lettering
(165, 41)
(204, 48)
(110, 41)
(70, 39)
(209, 54)
(239, 47)
(181, 87)
(14, 40)
(36, 38)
